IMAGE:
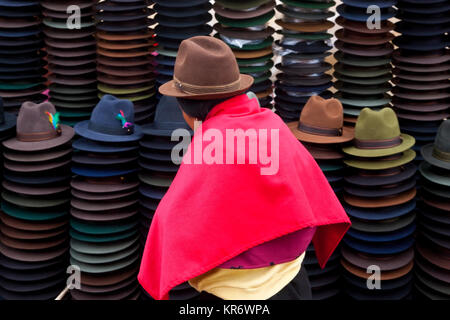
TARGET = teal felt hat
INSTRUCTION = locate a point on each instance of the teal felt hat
(154, 180)
(440, 177)
(105, 258)
(361, 72)
(32, 215)
(359, 61)
(363, 81)
(33, 202)
(257, 68)
(363, 101)
(107, 267)
(362, 89)
(101, 238)
(103, 248)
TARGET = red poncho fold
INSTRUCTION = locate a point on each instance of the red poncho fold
(212, 213)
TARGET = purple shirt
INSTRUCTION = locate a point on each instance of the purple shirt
(279, 250)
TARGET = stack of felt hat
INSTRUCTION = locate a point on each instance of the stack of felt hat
(71, 58)
(363, 68)
(34, 234)
(321, 131)
(104, 214)
(422, 67)
(243, 26)
(158, 168)
(177, 20)
(304, 46)
(125, 65)
(21, 56)
(433, 242)
(379, 193)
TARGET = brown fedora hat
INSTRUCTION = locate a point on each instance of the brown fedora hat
(27, 225)
(358, 26)
(106, 186)
(386, 275)
(35, 131)
(322, 121)
(205, 68)
(17, 233)
(362, 38)
(123, 37)
(250, 54)
(244, 14)
(381, 201)
(32, 255)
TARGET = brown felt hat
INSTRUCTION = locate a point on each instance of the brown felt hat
(322, 121)
(381, 201)
(35, 131)
(205, 68)
(386, 275)
(362, 38)
(27, 225)
(358, 26)
(32, 255)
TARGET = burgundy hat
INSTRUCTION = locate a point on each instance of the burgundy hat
(38, 128)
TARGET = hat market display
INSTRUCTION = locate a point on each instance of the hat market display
(158, 169)
(177, 20)
(364, 48)
(304, 47)
(433, 241)
(421, 94)
(35, 201)
(104, 225)
(125, 47)
(379, 196)
(322, 132)
(71, 58)
(22, 73)
(243, 25)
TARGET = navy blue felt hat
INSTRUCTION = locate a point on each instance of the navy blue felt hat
(423, 8)
(98, 147)
(152, 192)
(180, 4)
(360, 14)
(391, 247)
(18, 3)
(103, 172)
(413, 29)
(112, 120)
(383, 236)
(376, 214)
(366, 3)
(389, 176)
(168, 118)
(380, 191)
(175, 12)
(423, 19)
(423, 44)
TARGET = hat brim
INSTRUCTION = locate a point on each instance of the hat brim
(407, 142)
(380, 202)
(407, 157)
(427, 154)
(66, 135)
(347, 135)
(82, 128)
(171, 90)
(425, 170)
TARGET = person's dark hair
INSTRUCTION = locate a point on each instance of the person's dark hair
(198, 108)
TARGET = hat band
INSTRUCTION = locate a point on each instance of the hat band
(441, 155)
(194, 89)
(108, 130)
(36, 136)
(378, 144)
(329, 132)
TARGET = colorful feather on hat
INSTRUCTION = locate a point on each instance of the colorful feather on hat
(54, 119)
(125, 123)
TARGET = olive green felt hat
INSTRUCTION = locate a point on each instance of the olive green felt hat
(381, 164)
(377, 134)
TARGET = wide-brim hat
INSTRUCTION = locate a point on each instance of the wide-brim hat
(363, 202)
(360, 14)
(381, 164)
(383, 178)
(377, 214)
(208, 50)
(437, 153)
(314, 26)
(243, 14)
(380, 191)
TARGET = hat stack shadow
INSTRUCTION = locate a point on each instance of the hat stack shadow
(104, 206)
(421, 95)
(158, 169)
(22, 67)
(71, 58)
(177, 20)
(303, 48)
(432, 259)
(125, 47)
(243, 25)
(379, 196)
(34, 229)
(363, 69)
(320, 130)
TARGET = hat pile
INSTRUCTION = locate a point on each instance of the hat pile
(363, 68)
(21, 56)
(104, 211)
(303, 49)
(422, 68)
(34, 234)
(125, 65)
(321, 131)
(177, 20)
(71, 58)
(379, 193)
(243, 26)
(158, 168)
(433, 243)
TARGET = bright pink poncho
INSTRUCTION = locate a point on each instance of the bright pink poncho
(212, 213)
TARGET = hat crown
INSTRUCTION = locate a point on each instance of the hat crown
(377, 125)
(168, 111)
(33, 120)
(205, 61)
(442, 140)
(323, 113)
(104, 116)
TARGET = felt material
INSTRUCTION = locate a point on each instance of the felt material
(300, 197)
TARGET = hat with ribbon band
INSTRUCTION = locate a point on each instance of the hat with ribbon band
(38, 128)
(438, 153)
(321, 121)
